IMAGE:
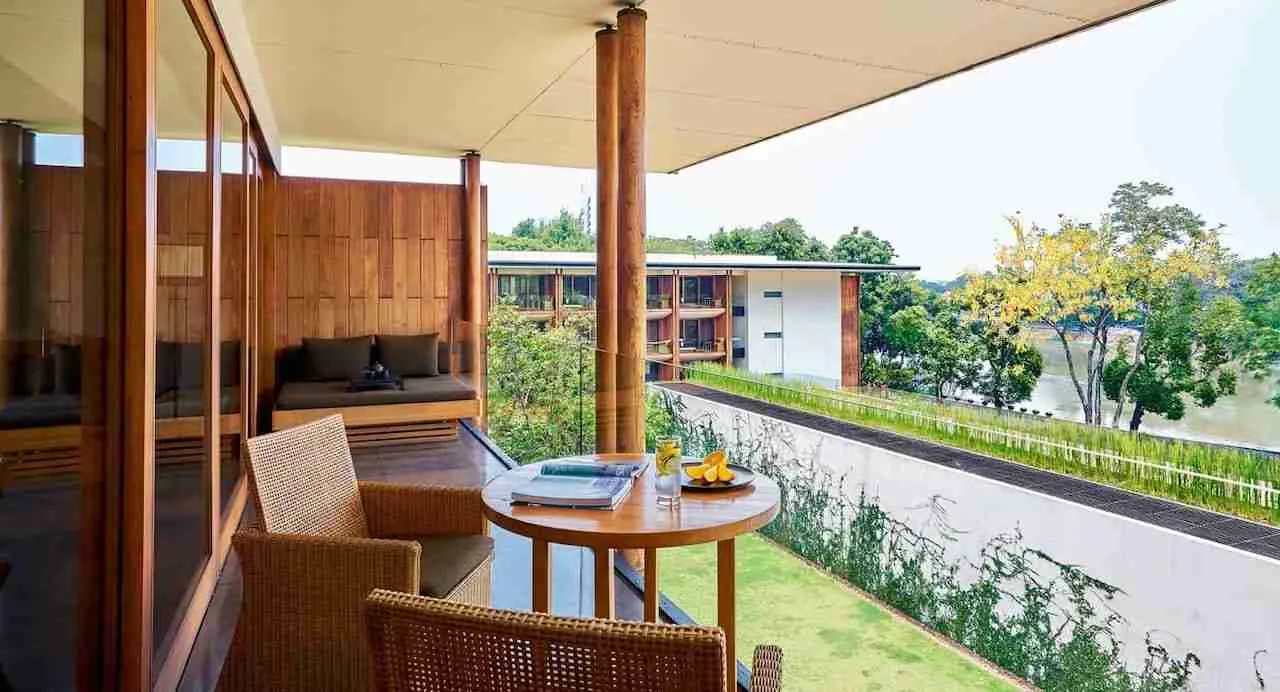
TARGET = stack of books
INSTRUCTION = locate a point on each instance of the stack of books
(583, 483)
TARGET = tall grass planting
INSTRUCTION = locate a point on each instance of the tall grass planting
(1236, 481)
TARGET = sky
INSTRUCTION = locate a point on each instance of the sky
(1187, 93)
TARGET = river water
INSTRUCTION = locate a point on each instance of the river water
(1245, 419)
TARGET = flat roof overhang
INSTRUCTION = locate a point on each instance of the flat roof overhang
(516, 81)
(730, 265)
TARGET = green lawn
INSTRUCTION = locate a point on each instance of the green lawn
(833, 637)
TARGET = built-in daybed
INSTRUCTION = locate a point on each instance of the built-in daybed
(316, 380)
(40, 417)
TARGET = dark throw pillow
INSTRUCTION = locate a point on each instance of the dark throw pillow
(189, 360)
(229, 364)
(66, 369)
(336, 359)
(444, 359)
(410, 356)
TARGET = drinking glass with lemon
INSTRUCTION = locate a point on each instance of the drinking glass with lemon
(666, 469)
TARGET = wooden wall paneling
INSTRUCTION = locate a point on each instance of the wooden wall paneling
(363, 257)
(850, 331)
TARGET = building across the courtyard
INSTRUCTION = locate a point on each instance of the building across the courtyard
(756, 312)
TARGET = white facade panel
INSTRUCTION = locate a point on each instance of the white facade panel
(811, 326)
(763, 315)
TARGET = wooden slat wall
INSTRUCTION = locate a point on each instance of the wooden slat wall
(53, 247)
(359, 257)
(53, 251)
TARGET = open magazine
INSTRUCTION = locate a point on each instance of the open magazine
(578, 483)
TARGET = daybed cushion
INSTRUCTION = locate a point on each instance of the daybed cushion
(409, 356)
(336, 359)
(307, 395)
(40, 410)
(184, 403)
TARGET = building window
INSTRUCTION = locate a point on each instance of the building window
(699, 335)
(739, 311)
(579, 291)
(525, 291)
(773, 335)
(698, 291)
(773, 294)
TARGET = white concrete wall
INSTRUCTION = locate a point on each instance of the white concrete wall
(1221, 603)
(811, 326)
(764, 315)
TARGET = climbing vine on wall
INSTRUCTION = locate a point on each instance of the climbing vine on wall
(1045, 621)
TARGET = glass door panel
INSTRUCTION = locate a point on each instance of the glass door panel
(52, 358)
(184, 345)
(232, 306)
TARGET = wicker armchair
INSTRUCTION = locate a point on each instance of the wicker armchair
(427, 645)
(322, 543)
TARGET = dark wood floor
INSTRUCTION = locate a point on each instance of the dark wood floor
(465, 461)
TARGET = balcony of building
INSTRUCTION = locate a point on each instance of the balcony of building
(171, 295)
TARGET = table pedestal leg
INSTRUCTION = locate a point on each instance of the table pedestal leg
(726, 592)
(650, 584)
(604, 583)
(541, 576)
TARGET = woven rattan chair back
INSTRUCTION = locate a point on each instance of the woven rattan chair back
(427, 645)
(303, 481)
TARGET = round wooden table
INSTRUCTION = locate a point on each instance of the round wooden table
(637, 522)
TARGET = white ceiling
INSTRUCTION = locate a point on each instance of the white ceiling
(515, 79)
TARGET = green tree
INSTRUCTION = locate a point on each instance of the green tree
(1010, 365)
(941, 348)
(1092, 279)
(540, 385)
(861, 246)
(1261, 298)
(785, 239)
(1189, 350)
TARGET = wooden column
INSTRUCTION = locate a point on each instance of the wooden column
(606, 239)
(726, 320)
(473, 305)
(13, 156)
(850, 331)
(674, 326)
(131, 325)
(557, 298)
(631, 220)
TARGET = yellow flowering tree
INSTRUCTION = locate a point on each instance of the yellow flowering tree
(1090, 279)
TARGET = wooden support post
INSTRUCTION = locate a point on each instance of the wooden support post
(651, 591)
(13, 142)
(541, 576)
(850, 331)
(631, 223)
(674, 326)
(726, 607)
(557, 298)
(726, 320)
(604, 583)
(606, 239)
(474, 312)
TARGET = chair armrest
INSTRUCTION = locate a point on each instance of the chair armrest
(301, 623)
(416, 510)
(321, 577)
(766, 669)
